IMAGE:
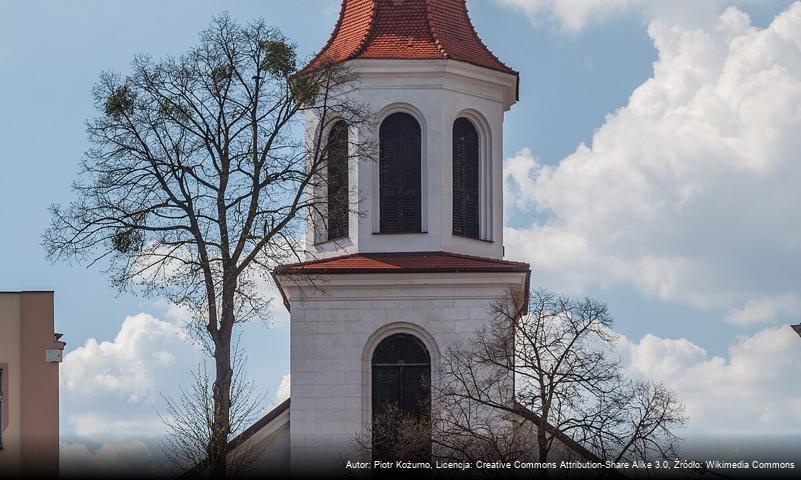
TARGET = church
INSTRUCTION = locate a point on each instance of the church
(384, 292)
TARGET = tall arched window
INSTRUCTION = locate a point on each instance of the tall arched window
(401, 395)
(465, 179)
(337, 173)
(399, 182)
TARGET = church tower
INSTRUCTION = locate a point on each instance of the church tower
(383, 293)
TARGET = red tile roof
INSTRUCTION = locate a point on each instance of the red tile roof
(428, 262)
(407, 29)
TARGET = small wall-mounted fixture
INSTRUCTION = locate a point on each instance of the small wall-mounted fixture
(54, 356)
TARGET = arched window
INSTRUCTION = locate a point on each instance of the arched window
(465, 179)
(401, 396)
(399, 182)
(337, 173)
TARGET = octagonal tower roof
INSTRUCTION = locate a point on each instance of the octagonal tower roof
(408, 29)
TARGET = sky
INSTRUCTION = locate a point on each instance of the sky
(651, 163)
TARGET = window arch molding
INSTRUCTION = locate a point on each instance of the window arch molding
(370, 346)
(485, 174)
(382, 115)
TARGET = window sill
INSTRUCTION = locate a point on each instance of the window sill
(333, 240)
(472, 238)
(399, 233)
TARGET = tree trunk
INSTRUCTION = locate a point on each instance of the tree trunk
(542, 444)
(221, 391)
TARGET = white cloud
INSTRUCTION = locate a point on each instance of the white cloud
(766, 310)
(752, 389)
(131, 366)
(688, 193)
(112, 393)
(112, 390)
(575, 15)
(109, 458)
(282, 393)
(104, 425)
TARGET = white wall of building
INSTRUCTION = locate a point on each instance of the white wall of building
(436, 93)
(265, 451)
(337, 321)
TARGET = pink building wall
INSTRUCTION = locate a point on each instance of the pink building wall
(30, 384)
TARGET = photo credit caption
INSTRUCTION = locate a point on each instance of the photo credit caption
(683, 465)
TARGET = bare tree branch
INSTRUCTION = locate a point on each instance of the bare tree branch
(552, 377)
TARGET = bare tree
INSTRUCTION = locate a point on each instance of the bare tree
(428, 436)
(189, 419)
(547, 369)
(197, 183)
(398, 435)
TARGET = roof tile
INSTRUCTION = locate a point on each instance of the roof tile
(407, 29)
(426, 262)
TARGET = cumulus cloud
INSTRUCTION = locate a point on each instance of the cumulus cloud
(746, 391)
(112, 389)
(282, 393)
(575, 15)
(130, 366)
(104, 425)
(112, 457)
(766, 310)
(689, 192)
(112, 393)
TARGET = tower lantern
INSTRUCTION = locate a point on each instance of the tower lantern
(439, 96)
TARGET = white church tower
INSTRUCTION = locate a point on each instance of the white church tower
(383, 294)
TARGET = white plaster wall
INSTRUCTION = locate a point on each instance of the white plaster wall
(436, 93)
(331, 327)
(267, 451)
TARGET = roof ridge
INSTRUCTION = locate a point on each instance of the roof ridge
(466, 12)
(433, 30)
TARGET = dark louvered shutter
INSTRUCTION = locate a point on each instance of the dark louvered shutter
(401, 389)
(414, 394)
(399, 183)
(338, 212)
(386, 392)
(465, 179)
(386, 387)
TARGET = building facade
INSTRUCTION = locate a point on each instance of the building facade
(30, 352)
(388, 284)
(419, 260)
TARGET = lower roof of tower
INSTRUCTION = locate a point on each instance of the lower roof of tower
(412, 262)
(418, 262)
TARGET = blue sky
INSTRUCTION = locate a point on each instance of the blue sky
(696, 292)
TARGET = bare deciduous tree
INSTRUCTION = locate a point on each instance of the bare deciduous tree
(189, 421)
(547, 369)
(197, 182)
(400, 436)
